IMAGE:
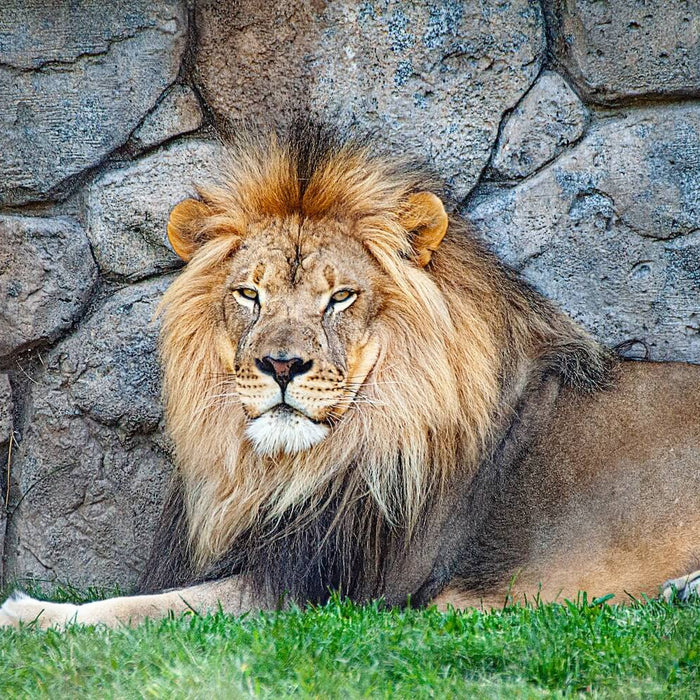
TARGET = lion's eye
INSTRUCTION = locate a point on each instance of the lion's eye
(247, 296)
(342, 299)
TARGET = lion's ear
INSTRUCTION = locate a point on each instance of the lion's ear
(425, 218)
(185, 227)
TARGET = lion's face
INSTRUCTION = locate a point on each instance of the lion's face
(298, 307)
(302, 287)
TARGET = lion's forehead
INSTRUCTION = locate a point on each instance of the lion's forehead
(313, 258)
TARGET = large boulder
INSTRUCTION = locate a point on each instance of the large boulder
(47, 273)
(177, 113)
(611, 231)
(90, 471)
(627, 49)
(76, 79)
(128, 208)
(547, 120)
(432, 78)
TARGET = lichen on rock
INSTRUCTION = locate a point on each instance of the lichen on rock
(431, 80)
(547, 120)
(621, 50)
(611, 231)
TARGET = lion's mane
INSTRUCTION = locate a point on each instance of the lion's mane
(460, 342)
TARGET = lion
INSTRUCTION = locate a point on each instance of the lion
(363, 400)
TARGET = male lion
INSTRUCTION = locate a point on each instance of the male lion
(362, 399)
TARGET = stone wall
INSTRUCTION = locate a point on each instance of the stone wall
(567, 131)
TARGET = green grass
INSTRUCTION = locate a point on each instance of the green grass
(341, 650)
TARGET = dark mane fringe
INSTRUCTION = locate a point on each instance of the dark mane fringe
(311, 144)
(339, 548)
(169, 564)
(344, 546)
(575, 357)
(314, 144)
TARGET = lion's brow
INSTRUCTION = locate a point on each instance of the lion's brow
(296, 262)
(329, 275)
(258, 273)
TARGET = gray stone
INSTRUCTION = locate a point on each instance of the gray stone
(626, 48)
(128, 208)
(46, 276)
(93, 461)
(547, 120)
(76, 79)
(432, 78)
(6, 426)
(611, 231)
(177, 113)
(6, 408)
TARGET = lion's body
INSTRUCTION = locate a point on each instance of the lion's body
(441, 432)
(589, 492)
(605, 500)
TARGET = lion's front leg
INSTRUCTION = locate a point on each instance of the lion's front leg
(683, 587)
(232, 595)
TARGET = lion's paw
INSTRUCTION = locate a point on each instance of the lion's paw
(682, 588)
(20, 608)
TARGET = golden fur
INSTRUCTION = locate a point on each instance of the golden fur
(449, 336)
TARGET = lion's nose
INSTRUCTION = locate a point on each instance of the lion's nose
(283, 371)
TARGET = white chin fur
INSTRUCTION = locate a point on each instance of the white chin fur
(282, 431)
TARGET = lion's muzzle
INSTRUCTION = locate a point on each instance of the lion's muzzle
(283, 429)
(287, 399)
(283, 370)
